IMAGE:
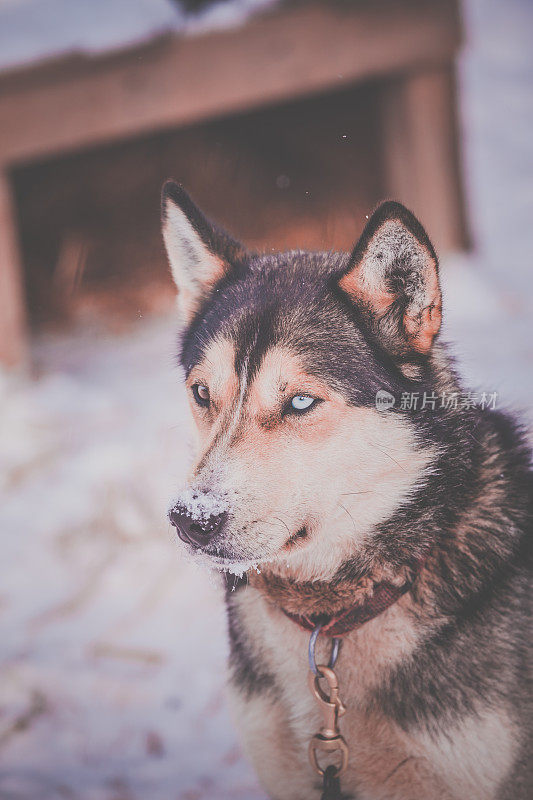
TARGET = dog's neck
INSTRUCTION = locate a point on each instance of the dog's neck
(306, 602)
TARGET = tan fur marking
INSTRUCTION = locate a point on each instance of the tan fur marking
(353, 284)
(217, 371)
(280, 377)
(423, 327)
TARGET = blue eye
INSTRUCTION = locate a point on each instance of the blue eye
(302, 402)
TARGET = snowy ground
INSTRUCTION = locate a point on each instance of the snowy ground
(113, 649)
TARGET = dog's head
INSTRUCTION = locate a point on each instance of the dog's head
(283, 356)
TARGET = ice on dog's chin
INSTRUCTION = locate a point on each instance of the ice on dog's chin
(216, 564)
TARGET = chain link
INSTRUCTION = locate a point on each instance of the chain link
(328, 741)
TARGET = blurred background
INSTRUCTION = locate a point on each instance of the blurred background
(287, 121)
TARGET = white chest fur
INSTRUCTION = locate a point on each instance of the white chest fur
(386, 762)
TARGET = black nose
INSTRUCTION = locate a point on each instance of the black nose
(197, 531)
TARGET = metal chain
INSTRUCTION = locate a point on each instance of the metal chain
(328, 740)
(335, 647)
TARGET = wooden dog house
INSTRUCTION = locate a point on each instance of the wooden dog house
(407, 49)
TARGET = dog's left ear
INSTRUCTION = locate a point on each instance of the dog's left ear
(392, 276)
(199, 253)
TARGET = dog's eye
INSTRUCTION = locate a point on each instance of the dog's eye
(301, 403)
(200, 394)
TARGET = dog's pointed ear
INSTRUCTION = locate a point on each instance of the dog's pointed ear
(392, 276)
(199, 253)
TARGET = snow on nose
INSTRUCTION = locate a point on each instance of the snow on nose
(198, 516)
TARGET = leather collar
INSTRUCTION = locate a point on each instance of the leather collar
(333, 606)
(385, 594)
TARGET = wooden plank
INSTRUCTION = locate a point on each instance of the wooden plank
(421, 153)
(13, 333)
(281, 55)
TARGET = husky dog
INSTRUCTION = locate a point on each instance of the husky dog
(322, 497)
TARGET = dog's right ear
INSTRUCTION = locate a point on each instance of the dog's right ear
(199, 253)
(392, 276)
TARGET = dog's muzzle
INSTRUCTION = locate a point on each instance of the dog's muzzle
(199, 530)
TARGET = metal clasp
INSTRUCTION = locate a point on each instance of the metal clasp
(329, 739)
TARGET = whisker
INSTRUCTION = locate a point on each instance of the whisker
(473, 437)
(353, 521)
(386, 454)
(283, 523)
(400, 765)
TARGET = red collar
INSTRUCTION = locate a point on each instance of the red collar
(385, 594)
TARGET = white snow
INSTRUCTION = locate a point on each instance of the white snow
(113, 646)
(199, 505)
